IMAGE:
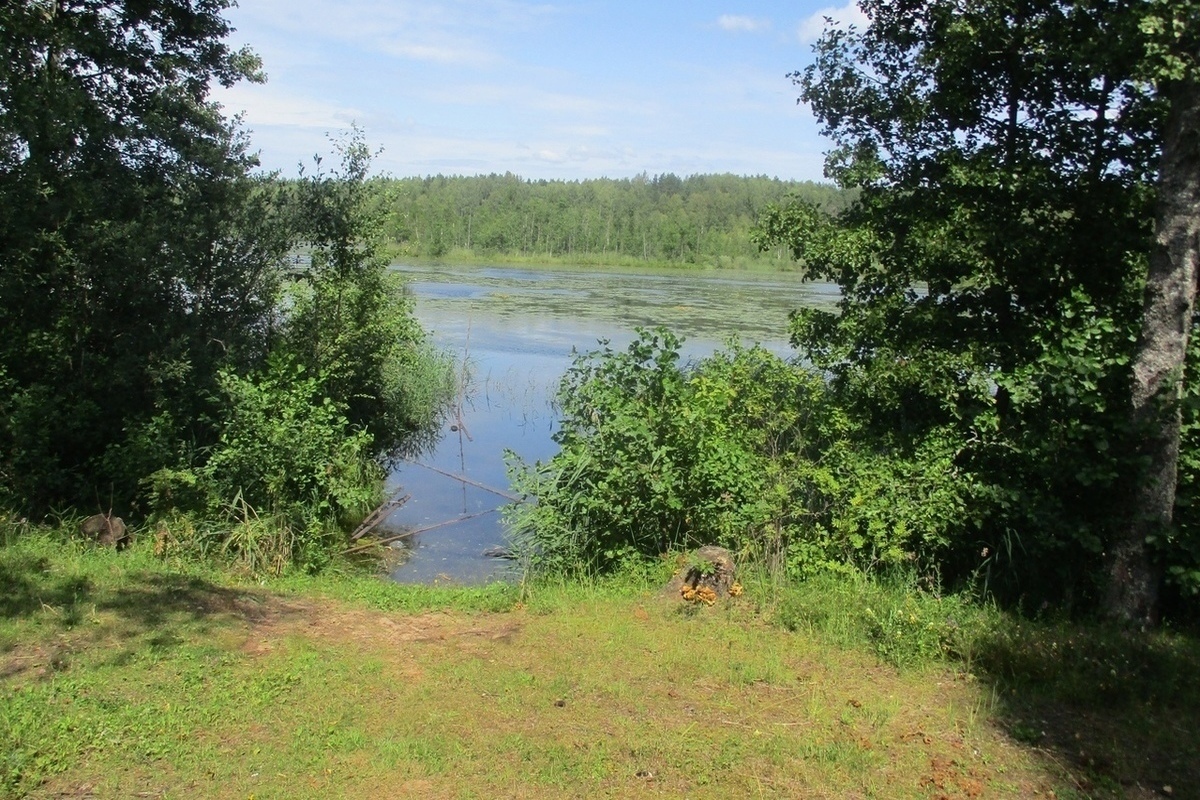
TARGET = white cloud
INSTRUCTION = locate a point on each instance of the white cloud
(445, 32)
(416, 154)
(844, 16)
(582, 109)
(408, 72)
(436, 53)
(733, 22)
(585, 131)
(263, 105)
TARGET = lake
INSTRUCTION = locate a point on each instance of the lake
(513, 330)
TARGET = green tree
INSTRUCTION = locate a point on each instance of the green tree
(135, 251)
(153, 352)
(1172, 66)
(702, 218)
(349, 321)
(1007, 154)
(297, 443)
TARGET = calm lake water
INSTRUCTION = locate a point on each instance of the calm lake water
(513, 329)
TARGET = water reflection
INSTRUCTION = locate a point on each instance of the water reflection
(515, 328)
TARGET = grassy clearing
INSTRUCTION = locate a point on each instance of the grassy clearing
(122, 675)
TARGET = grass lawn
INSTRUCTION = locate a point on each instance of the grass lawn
(122, 675)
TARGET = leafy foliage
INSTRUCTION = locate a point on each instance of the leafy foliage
(972, 410)
(350, 322)
(700, 219)
(286, 444)
(983, 318)
(134, 246)
(157, 352)
(301, 441)
(1182, 542)
(740, 449)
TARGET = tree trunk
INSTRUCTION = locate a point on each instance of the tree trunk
(1158, 366)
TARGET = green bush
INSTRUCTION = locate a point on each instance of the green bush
(741, 449)
(349, 320)
(285, 446)
(286, 472)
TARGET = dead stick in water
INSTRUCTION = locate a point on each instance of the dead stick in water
(469, 482)
(378, 515)
(415, 531)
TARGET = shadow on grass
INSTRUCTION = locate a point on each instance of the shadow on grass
(151, 601)
(1120, 711)
(29, 586)
(1117, 711)
(148, 599)
(108, 596)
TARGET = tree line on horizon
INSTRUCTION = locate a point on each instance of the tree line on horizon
(700, 219)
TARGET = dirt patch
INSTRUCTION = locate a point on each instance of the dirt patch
(26, 660)
(949, 778)
(369, 630)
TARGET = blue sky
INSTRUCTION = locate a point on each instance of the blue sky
(564, 89)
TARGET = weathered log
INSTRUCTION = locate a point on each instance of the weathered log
(413, 532)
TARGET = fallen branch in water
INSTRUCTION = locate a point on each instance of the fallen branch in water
(379, 514)
(469, 482)
(397, 537)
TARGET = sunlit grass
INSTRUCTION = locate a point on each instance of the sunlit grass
(122, 674)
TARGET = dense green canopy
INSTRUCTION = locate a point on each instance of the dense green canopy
(134, 248)
(1008, 155)
(156, 356)
(700, 219)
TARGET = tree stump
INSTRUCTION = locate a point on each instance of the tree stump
(708, 574)
(106, 529)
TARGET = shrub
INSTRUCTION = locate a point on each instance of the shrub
(741, 449)
(286, 447)
(287, 470)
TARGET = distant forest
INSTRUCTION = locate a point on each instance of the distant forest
(704, 220)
